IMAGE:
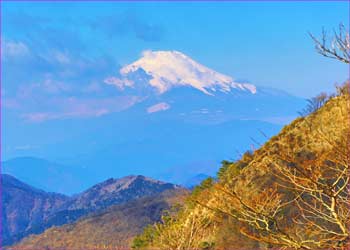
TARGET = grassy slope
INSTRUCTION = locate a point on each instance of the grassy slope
(247, 177)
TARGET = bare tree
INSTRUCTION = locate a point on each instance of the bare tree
(306, 205)
(302, 201)
(184, 234)
(337, 48)
(314, 104)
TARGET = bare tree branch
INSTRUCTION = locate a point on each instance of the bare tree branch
(337, 48)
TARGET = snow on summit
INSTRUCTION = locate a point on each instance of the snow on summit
(168, 69)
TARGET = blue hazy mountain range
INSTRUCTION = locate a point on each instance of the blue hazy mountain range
(185, 119)
(48, 175)
(166, 150)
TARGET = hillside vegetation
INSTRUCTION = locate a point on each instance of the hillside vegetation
(27, 210)
(24, 207)
(112, 228)
(292, 193)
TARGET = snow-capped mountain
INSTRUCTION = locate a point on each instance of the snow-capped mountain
(169, 69)
(170, 83)
(187, 118)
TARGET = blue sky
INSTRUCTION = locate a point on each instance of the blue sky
(264, 43)
(56, 55)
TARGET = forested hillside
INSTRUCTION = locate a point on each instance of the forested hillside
(113, 228)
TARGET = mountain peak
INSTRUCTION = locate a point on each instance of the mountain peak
(115, 191)
(168, 69)
(116, 185)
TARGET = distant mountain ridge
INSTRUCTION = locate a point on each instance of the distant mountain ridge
(115, 191)
(112, 227)
(27, 210)
(24, 207)
(48, 175)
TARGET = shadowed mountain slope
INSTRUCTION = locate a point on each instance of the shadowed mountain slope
(112, 228)
(27, 210)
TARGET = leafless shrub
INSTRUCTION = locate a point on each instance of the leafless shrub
(314, 104)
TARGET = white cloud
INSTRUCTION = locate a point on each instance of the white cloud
(12, 49)
(54, 87)
(162, 106)
(119, 83)
(61, 57)
(73, 107)
(46, 116)
(47, 86)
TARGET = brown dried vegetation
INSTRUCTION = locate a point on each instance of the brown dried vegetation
(292, 193)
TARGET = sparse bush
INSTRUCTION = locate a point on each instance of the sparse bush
(230, 169)
(314, 104)
(145, 238)
(205, 184)
(343, 89)
(207, 245)
(223, 169)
